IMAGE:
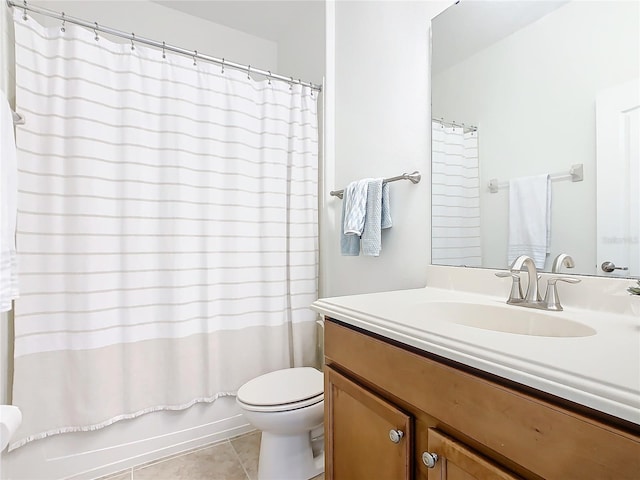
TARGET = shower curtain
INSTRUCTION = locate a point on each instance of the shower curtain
(455, 197)
(167, 230)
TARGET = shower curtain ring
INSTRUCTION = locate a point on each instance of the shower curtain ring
(24, 12)
(195, 54)
(164, 55)
(291, 83)
(249, 72)
(133, 36)
(62, 29)
(269, 77)
(95, 30)
(222, 66)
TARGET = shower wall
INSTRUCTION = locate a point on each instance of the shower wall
(132, 442)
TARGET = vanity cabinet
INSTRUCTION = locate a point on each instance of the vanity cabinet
(370, 437)
(456, 461)
(479, 426)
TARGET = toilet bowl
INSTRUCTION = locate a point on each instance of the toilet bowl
(286, 405)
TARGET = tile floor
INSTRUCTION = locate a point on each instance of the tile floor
(234, 459)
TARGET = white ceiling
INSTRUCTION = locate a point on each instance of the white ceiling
(273, 20)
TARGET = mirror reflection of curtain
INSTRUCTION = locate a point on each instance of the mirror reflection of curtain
(455, 197)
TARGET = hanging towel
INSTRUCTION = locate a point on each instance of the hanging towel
(386, 208)
(378, 217)
(530, 218)
(352, 222)
(8, 208)
(355, 206)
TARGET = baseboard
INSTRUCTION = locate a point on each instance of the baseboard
(126, 444)
(169, 450)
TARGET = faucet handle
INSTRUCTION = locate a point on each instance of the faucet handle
(553, 280)
(551, 300)
(515, 296)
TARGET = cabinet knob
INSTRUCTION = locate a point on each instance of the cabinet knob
(429, 459)
(396, 435)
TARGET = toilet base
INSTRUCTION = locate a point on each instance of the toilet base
(288, 457)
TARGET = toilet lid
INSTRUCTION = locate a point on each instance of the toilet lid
(290, 385)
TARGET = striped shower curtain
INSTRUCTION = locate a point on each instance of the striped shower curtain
(167, 230)
(455, 197)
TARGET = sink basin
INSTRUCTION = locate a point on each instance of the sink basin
(506, 318)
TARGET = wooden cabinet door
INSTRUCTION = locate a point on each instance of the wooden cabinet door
(358, 424)
(458, 462)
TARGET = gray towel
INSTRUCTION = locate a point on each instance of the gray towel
(378, 216)
(386, 207)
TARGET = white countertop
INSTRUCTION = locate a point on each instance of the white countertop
(601, 371)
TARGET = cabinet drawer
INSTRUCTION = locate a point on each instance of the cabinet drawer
(452, 460)
(541, 437)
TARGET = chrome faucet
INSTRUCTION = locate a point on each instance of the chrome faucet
(532, 297)
(562, 260)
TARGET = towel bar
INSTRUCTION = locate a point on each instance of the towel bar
(413, 177)
(575, 174)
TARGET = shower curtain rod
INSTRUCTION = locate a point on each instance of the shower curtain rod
(442, 121)
(161, 45)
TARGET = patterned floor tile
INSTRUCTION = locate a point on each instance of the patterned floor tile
(248, 449)
(218, 462)
(118, 476)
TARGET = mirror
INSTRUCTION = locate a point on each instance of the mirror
(530, 88)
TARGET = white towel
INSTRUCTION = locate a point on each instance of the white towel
(8, 208)
(378, 217)
(530, 218)
(354, 203)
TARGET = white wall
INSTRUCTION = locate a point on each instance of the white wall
(7, 67)
(302, 52)
(148, 19)
(128, 443)
(550, 127)
(381, 116)
(7, 89)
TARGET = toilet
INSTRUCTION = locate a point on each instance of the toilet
(287, 406)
